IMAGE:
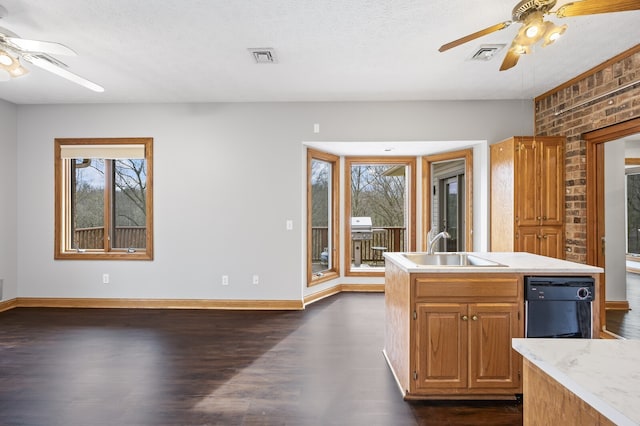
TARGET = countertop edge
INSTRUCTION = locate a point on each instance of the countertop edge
(512, 262)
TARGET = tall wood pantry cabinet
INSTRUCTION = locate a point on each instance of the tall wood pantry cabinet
(527, 195)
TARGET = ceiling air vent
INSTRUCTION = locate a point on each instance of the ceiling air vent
(486, 52)
(264, 55)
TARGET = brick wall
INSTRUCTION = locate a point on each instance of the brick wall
(578, 119)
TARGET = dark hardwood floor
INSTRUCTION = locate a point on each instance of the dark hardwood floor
(627, 323)
(322, 366)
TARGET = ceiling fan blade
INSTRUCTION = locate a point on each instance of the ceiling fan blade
(592, 7)
(52, 66)
(510, 60)
(478, 34)
(37, 46)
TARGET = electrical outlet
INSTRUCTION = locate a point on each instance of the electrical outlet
(289, 224)
(105, 278)
(225, 280)
(256, 279)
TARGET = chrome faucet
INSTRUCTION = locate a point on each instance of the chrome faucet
(432, 241)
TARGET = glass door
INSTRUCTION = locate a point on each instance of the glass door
(451, 215)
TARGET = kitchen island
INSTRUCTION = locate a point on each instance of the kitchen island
(448, 328)
(577, 381)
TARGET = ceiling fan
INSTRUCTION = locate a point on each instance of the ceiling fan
(531, 14)
(14, 49)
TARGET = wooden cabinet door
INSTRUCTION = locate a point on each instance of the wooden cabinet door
(528, 239)
(552, 241)
(492, 361)
(441, 333)
(527, 183)
(551, 198)
(543, 240)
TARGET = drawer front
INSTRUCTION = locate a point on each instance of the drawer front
(469, 286)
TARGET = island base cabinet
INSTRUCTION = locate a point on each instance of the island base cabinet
(547, 402)
(492, 363)
(449, 331)
(465, 348)
(441, 346)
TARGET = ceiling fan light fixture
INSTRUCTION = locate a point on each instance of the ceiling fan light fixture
(10, 65)
(531, 13)
(532, 31)
(552, 33)
(533, 26)
(18, 71)
(5, 59)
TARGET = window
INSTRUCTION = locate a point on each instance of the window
(322, 217)
(633, 211)
(104, 199)
(380, 193)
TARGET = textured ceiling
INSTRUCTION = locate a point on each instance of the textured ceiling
(328, 50)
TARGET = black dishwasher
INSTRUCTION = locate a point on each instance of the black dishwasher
(558, 307)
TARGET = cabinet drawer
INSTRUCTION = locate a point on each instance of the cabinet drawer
(483, 286)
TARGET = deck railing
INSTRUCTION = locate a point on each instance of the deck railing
(390, 237)
(125, 237)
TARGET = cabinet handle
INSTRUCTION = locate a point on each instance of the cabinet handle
(539, 236)
(475, 318)
(465, 318)
(544, 236)
(544, 218)
(538, 218)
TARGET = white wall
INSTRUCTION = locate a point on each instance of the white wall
(8, 200)
(226, 178)
(615, 232)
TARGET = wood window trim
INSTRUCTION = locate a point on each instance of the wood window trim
(595, 141)
(411, 208)
(595, 191)
(334, 272)
(467, 155)
(62, 203)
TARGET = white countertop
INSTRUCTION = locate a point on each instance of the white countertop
(604, 373)
(514, 262)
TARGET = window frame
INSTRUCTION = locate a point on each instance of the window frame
(635, 162)
(427, 216)
(410, 163)
(62, 179)
(334, 220)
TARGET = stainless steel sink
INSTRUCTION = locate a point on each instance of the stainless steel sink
(448, 259)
